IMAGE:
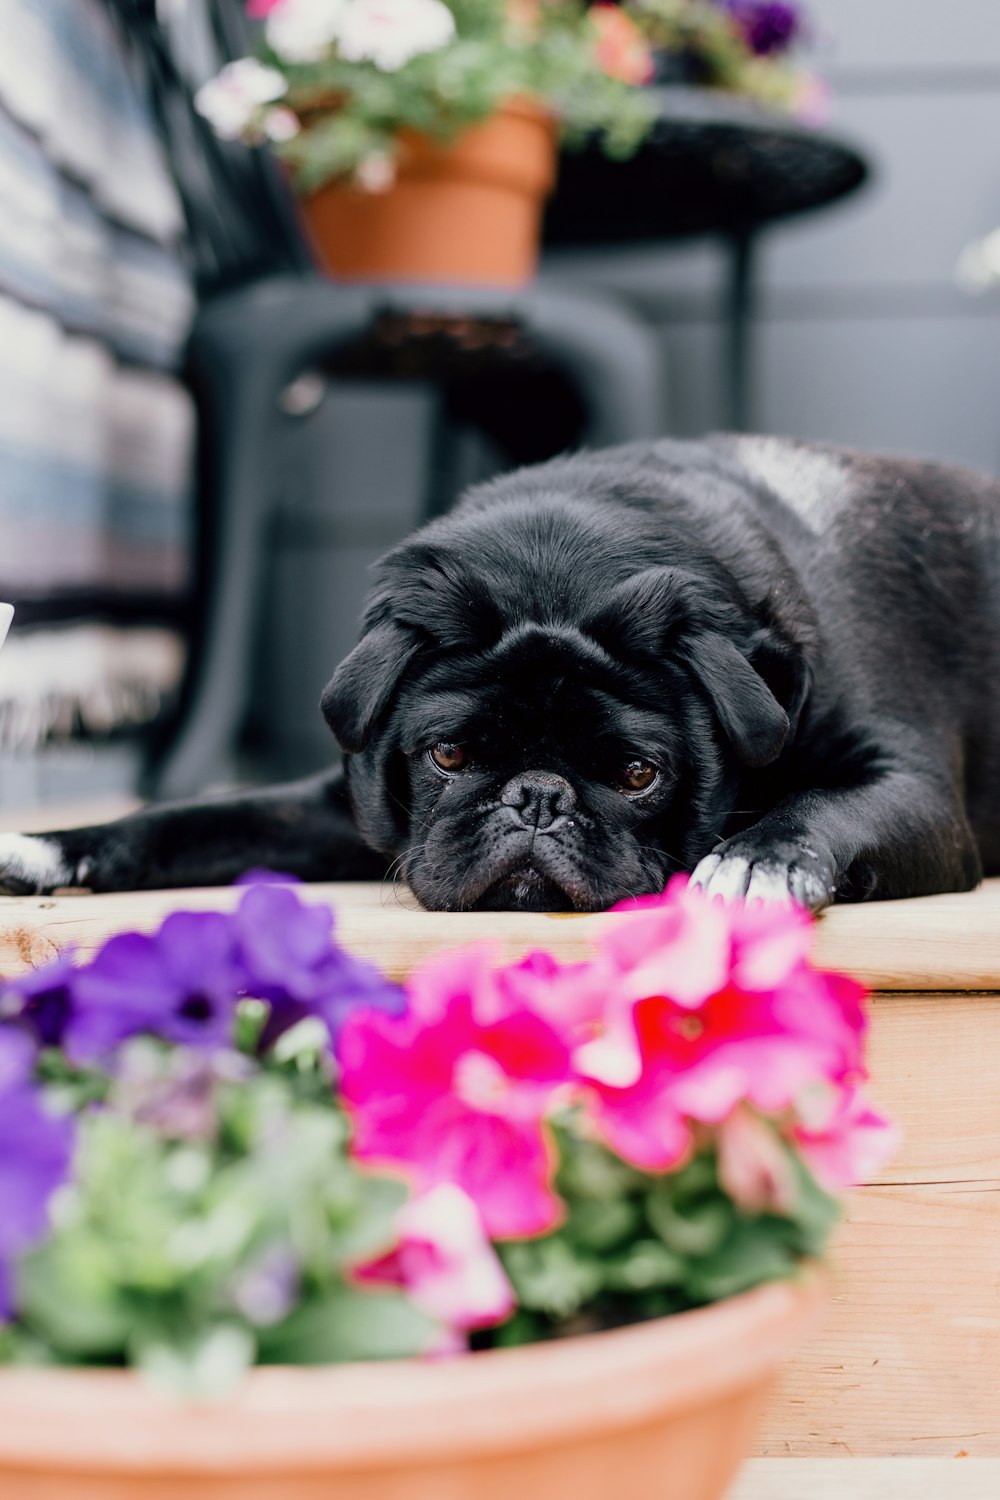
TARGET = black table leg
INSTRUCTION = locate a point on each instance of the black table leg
(739, 322)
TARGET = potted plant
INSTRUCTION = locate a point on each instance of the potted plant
(746, 47)
(421, 134)
(571, 1210)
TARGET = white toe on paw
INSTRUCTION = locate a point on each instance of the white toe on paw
(705, 869)
(31, 863)
(729, 879)
(770, 883)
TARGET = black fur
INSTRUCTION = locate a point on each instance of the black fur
(803, 641)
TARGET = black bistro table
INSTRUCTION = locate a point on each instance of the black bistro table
(714, 165)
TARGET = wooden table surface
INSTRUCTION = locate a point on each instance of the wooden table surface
(868, 1479)
(937, 943)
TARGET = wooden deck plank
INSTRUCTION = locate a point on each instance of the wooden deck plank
(935, 1064)
(868, 1479)
(937, 943)
(908, 1361)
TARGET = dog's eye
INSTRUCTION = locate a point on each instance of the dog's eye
(450, 758)
(637, 775)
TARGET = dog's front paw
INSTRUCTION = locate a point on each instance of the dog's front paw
(33, 865)
(776, 870)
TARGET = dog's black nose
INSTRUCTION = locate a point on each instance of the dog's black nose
(538, 798)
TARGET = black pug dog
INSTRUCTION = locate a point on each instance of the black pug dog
(766, 662)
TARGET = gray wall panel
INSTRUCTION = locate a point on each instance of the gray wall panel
(917, 386)
(937, 184)
(900, 35)
(921, 386)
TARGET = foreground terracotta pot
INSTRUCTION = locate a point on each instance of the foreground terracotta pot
(663, 1409)
(469, 212)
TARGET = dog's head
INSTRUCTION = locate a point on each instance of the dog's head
(544, 714)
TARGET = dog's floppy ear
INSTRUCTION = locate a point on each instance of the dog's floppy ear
(751, 716)
(757, 683)
(360, 689)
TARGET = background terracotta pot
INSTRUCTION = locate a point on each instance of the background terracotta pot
(469, 212)
(664, 1408)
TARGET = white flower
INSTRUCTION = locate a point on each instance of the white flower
(231, 99)
(302, 31)
(978, 268)
(391, 32)
(376, 173)
(281, 124)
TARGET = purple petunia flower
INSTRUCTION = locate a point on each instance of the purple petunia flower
(42, 1000)
(17, 1057)
(293, 961)
(182, 984)
(35, 1153)
(769, 26)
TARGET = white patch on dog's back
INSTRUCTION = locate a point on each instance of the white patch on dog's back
(35, 862)
(812, 484)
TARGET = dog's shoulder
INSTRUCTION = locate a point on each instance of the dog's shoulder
(723, 475)
(816, 482)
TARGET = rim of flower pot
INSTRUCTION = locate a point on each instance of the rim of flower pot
(388, 1415)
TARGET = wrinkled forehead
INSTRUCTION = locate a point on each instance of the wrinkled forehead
(536, 687)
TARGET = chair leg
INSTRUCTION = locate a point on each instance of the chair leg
(245, 348)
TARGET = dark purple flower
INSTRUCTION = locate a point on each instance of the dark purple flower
(35, 1153)
(182, 984)
(293, 961)
(42, 1000)
(769, 26)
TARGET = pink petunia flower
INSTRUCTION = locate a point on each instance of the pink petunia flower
(844, 1141)
(622, 50)
(724, 1009)
(688, 945)
(754, 1169)
(445, 1262)
(458, 1089)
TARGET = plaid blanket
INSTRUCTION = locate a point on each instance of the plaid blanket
(96, 431)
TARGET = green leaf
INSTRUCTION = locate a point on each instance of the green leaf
(550, 1276)
(306, 1042)
(349, 1324)
(588, 1170)
(602, 1224)
(206, 1367)
(523, 1328)
(815, 1213)
(691, 1229)
(645, 1265)
(250, 1018)
(756, 1251)
(66, 1294)
(370, 1228)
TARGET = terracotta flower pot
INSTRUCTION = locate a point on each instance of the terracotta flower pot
(664, 1408)
(469, 212)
